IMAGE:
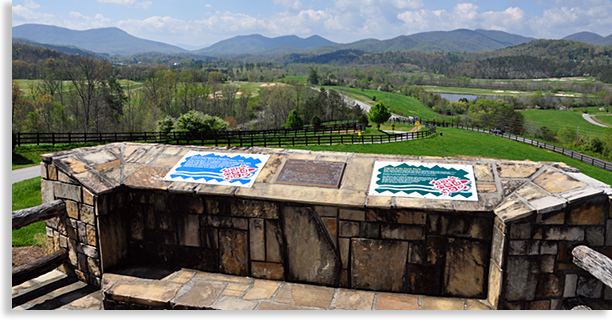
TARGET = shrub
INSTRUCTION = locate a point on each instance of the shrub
(195, 122)
(294, 121)
(315, 121)
(566, 135)
(166, 125)
(363, 119)
(545, 134)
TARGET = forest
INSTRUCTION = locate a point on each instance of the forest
(80, 93)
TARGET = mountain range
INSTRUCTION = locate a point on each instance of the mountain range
(114, 41)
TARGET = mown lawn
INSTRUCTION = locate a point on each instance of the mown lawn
(556, 120)
(456, 142)
(605, 119)
(26, 194)
(29, 155)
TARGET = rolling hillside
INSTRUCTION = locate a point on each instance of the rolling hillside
(102, 40)
(253, 44)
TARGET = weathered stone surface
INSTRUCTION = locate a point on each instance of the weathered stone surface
(332, 228)
(480, 305)
(235, 289)
(185, 203)
(61, 176)
(67, 191)
(564, 233)
(512, 209)
(209, 238)
(52, 172)
(274, 242)
(70, 165)
(425, 204)
(91, 235)
(608, 241)
(72, 209)
(88, 197)
(397, 216)
(202, 295)
(349, 229)
(548, 204)
(555, 181)
(148, 178)
(380, 202)
(530, 192)
(224, 278)
(312, 195)
(354, 300)
(595, 236)
(183, 187)
(464, 273)
(590, 213)
(233, 252)
(581, 194)
(495, 284)
(466, 226)
(270, 271)
(46, 191)
(369, 230)
(269, 171)
(483, 172)
(235, 304)
(486, 187)
(225, 222)
(357, 174)
(151, 293)
(571, 282)
(539, 305)
(551, 219)
(352, 214)
(438, 303)
(168, 161)
(549, 286)
(387, 301)
(517, 170)
(310, 254)
(520, 231)
(215, 190)
(589, 287)
(188, 230)
(145, 155)
(256, 239)
(524, 247)
(324, 211)
(378, 264)
(254, 209)
(402, 232)
(95, 182)
(344, 245)
(183, 276)
(261, 290)
(306, 295)
(509, 186)
(520, 278)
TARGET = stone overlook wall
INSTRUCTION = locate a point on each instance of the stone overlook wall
(511, 247)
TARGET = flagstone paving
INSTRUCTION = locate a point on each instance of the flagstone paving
(191, 289)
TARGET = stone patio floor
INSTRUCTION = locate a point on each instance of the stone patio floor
(190, 289)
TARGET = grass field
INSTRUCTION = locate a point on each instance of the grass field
(555, 120)
(29, 155)
(403, 105)
(604, 119)
(26, 194)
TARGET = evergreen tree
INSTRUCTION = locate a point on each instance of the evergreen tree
(379, 114)
(294, 121)
(316, 121)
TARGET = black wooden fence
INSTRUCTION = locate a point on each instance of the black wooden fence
(570, 153)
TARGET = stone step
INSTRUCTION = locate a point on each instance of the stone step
(161, 288)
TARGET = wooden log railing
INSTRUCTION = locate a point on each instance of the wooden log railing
(597, 264)
(50, 262)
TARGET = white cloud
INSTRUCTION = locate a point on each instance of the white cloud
(129, 3)
(30, 4)
(290, 4)
(21, 14)
(82, 22)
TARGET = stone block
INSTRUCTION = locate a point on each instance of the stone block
(417, 253)
(354, 300)
(512, 209)
(595, 236)
(151, 292)
(486, 187)
(270, 271)
(352, 214)
(520, 278)
(349, 229)
(370, 230)
(509, 186)
(261, 290)
(82, 232)
(256, 240)
(227, 222)
(588, 214)
(483, 172)
(549, 286)
(466, 226)
(234, 304)
(61, 176)
(324, 211)
(517, 170)
(307, 195)
(608, 241)
(274, 242)
(551, 219)
(439, 303)
(188, 230)
(82, 262)
(235, 289)
(344, 246)
(166, 221)
(378, 264)
(254, 209)
(589, 287)
(93, 266)
(426, 204)
(46, 191)
(209, 238)
(202, 295)
(547, 264)
(183, 187)
(387, 301)
(145, 155)
(539, 305)
(520, 231)
(87, 214)
(269, 171)
(466, 265)
(564, 233)
(397, 216)
(233, 252)
(435, 249)
(92, 238)
(72, 209)
(581, 194)
(495, 284)
(67, 191)
(524, 247)
(357, 174)
(147, 177)
(548, 248)
(548, 204)
(402, 232)
(96, 182)
(306, 295)
(311, 256)
(531, 192)
(185, 203)
(555, 181)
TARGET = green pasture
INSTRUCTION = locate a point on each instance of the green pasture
(604, 119)
(556, 120)
(26, 194)
(400, 104)
(29, 155)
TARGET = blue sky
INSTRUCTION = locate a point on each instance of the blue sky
(198, 23)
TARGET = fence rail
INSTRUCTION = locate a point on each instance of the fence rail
(284, 137)
(23, 217)
(567, 152)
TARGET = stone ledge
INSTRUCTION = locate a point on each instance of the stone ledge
(152, 288)
(103, 168)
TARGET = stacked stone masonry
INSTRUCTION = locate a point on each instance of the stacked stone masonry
(511, 248)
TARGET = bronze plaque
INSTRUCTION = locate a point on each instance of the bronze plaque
(311, 173)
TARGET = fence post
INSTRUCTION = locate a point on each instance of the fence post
(37, 138)
(53, 138)
(69, 139)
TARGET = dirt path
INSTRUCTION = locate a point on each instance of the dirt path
(588, 118)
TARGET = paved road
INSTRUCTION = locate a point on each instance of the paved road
(590, 120)
(25, 173)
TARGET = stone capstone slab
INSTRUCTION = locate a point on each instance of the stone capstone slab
(554, 181)
(517, 170)
(152, 293)
(202, 295)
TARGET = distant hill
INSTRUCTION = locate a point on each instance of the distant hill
(585, 36)
(102, 40)
(606, 41)
(255, 44)
(457, 41)
(62, 49)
